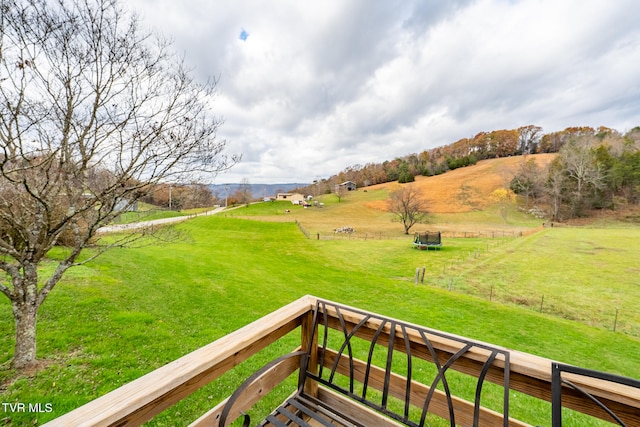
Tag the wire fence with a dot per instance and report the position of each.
(450, 276)
(612, 318)
(452, 273)
(348, 233)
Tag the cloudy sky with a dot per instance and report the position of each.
(310, 87)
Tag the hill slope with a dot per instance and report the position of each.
(458, 201)
(468, 188)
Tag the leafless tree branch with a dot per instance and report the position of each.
(93, 114)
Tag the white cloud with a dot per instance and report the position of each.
(317, 86)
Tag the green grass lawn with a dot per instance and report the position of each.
(133, 310)
(581, 274)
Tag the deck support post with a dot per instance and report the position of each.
(309, 340)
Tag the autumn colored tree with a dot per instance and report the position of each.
(554, 141)
(506, 142)
(460, 148)
(391, 169)
(504, 199)
(480, 145)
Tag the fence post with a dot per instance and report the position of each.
(424, 269)
(415, 280)
(615, 322)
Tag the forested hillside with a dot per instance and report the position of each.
(594, 168)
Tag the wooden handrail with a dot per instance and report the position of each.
(142, 399)
(529, 374)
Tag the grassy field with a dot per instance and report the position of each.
(366, 209)
(133, 310)
(363, 211)
(583, 274)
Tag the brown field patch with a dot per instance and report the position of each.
(379, 205)
(457, 201)
(465, 189)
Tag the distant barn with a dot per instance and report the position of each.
(347, 185)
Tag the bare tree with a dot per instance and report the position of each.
(408, 206)
(584, 173)
(554, 188)
(199, 196)
(529, 138)
(93, 114)
(528, 180)
(580, 163)
(244, 192)
(340, 192)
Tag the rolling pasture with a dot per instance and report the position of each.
(133, 310)
(554, 293)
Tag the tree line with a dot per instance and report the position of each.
(180, 196)
(596, 167)
(591, 171)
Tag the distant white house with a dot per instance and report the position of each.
(295, 198)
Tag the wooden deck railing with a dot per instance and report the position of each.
(142, 399)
